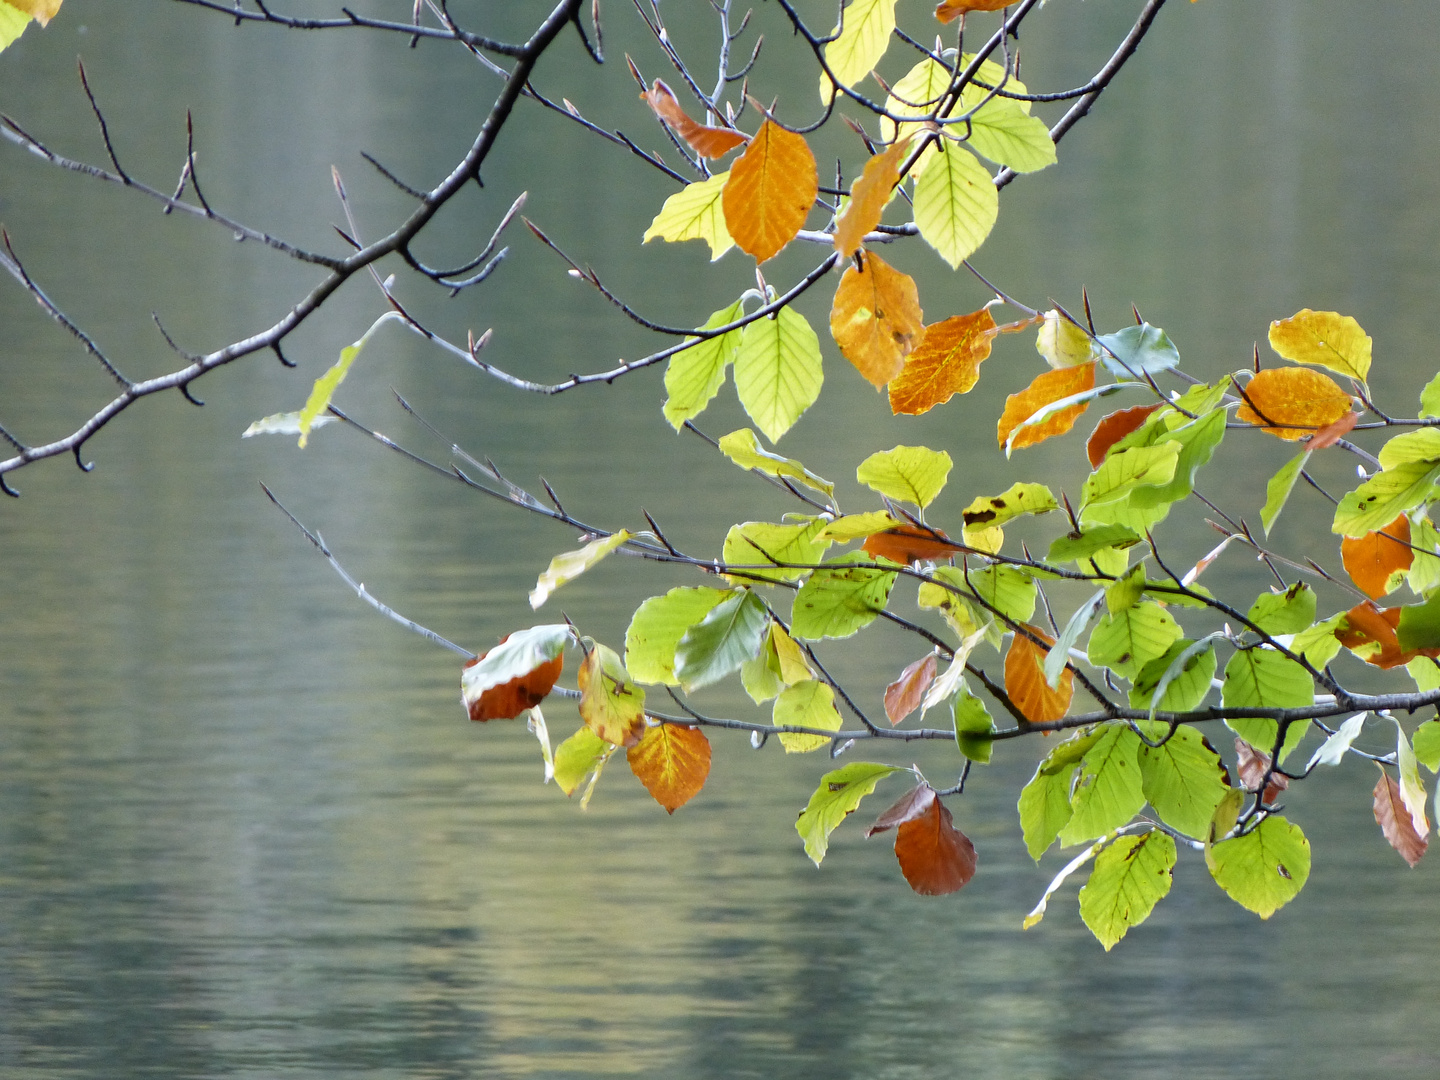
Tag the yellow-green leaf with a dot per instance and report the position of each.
(325, 386)
(695, 375)
(1006, 133)
(956, 203)
(658, 625)
(584, 753)
(611, 705)
(913, 474)
(778, 371)
(567, 567)
(865, 29)
(1264, 869)
(837, 796)
(1131, 876)
(1384, 497)
(760, 543)
(808, 704)
(695, 213)
(742, 448)
(1325, 339)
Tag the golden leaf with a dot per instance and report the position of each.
(1291, 403)
(876, 318)
(673, 762)
(770, 191)
(1048, 387)
(1376, 559)
(868, 197)
(946, 362)
(1025, 680)
(1324, 338)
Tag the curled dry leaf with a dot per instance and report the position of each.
(903, 696)
(1395, 822)
(1370, 633)
(1114, 428)
(1291, 403)
(708, 142)
(935, 857)
(908, 544)
(1025, 679)
(770, 191)
(517, 674)
(1048, 387)
(1253, 764)
(1377, 561)
(876, 318)
(945, 362)
(868, 197)
(673, 762)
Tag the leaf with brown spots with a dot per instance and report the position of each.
(770, 191)
(1114, 428)
(1291, 403)
(946, 361)
(1377, 561)
(1252, 766)
(1025, 679)
(708, 142)
(935, 857)
(1395, 821)
(673, 762)
(950, 10)
(869, 196)
(907, 544)
(1048, 388)
(611, 705)
(876, 318)
(903, 696)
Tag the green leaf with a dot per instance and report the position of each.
(837, 796)
(1420, 625)
(778, 371)
(581, 754)
(1427, 744)
(995, 510)
(865, 29)
(956, 203)
(1423, 444)
(1319, 644)
(1121, 474)
(1285, 612)
(695, 375)
(1424, 574)
(1426, 673)
(1108, 792)
(1430, 399)
(1136, 350)
(657, 627)
(806, 704)
(757, 543)
(1384, 497)
(913, 474)
(1178, 680)
(731, 633)
(742, 448)
(1262, 678)
(1131, 876)
(836, 603)
(325, 386)
(1007, 589)
(1005, 132)
(972, 722)
(1278, 488)
(1044, 809)
(1127, 591)
(694, 213)
(1149, 504)
(1264, 869)
(1125, 642)
(1183, 780)
(567, 567)
(1070, 548)
(1059, 654)
(12, 24)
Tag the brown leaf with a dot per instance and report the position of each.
(770, 191)
(1048, 387)
(1395, 821)
(876, 318)
(1025, 679)
(913, 804)
(1370, 560)
(1253, 765)
(946, 362)
(1114, 428)
(903, 696)
(1291, 403)
(708, 142)
(935, 857)
(950, 10)
(673, 762)
(510, 699)
(910, 544)
(1329, 436)
(868, 197)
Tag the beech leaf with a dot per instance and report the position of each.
(864, 33)
(325, 386)
(708, 142)
(770, 191)
(1264, 869)
(809, 704)
(729, 634)
(1112, 429)
(1332, 751)
(1291, 403)
(945, 362)
(936, 858)
(1324, 338)
(658, 625)
(673, 762)
(1047, 388)
(695, 212)
(611, 705)
(567, 567)
(1377, 561)
(914, 474)
(694, 375)
(908, 544)
(778, 371)
(903, 696)
(583, 754)
(869, 195)
(837, 797)
(1396, 822)
(956, 203)
(516, 674)
(744, 449)
(1025, 680)
(1130, 877)
(876, 318)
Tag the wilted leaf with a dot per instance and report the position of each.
(1264, 869)
(876, 318)
(1048, 387)
(770, 191)
(611, 705)
(516, 674)
(1377, 561)
(906, 544)
(935, 857)
(1333, 750)
(1324, 338)
(956, 203)
(1131, 876)
(1291, 403)
(1333, 433)
(869, 195)
(945, 362)
(949, 10)
(808, 704)
(695, 213)
(1252, 765)
(1395, 821)
(742, 448)
(1113, 428)
(672, 762)
(325, 386)
(903, 696)
(865, 29)
(708, 142)
(778, 371)
(837, 602)
(837, 796)
(658, 625)
(695, 375)
(913, 474)
(729, 634)
(567, 567)
(1025, 679)
(287, 423)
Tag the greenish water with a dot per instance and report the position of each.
(244, 827)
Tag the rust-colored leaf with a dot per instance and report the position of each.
(936, 858)
(910, 544)
(1369, 631)
(913, 804)
(946, 362)
(1048, 387)
(903, 696)
(673, 762)
(708, 142)
(1291, 403)
(876, 318)
(1114, 428)
(1372, 559)
(1395, 821)
(868, 197)
(770, 191)
(1025, 680)
(1329, 436)
(950, 10)
(510, 699)
(1253, 765)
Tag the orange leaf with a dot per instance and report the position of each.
(903, 696)
(907, 544)
(868, 197)
(950, 10)
(708, 142)
(1025, 680)
(935, 857)
(1048, 387)
(510, 699)
(770, 191)
(1372, 559)
(1291, 403)
(876, 318)
(1395, 822)
(1369, 632)
(1114, 428)
(672, 761)
(1253, 764)
(946, 362)
(1329, 436)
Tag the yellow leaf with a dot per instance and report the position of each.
(956, 203)
(876, 318)
(865, 29)
(611, 705)
(325, 386)
(1048, 387)
(694, 213)
(42, 11)
(567, 567)
(1296, 401)
(770, 190)
(1063, 344)
(945, 362)
(1325, 339)
(672, 762)
(868, 197)
(809, 704)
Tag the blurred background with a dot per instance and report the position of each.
(245, 828)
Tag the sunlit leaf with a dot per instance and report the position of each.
(1412, 787)
(956, 203)
(865, 29)
(907, 544)
(673, 762)
(583, 754)
(945, 362)
(1007, 589)
(1062, 343)
(708, 142)
(913, 474)
(1420, 445)
(808, 704)
(903, 696)
(770, 191)
(742, 448)
(287, 423)
(728, 635)
(837, 796)
(837, 602)
(1122, 473)
(1045, 801)
(1285, 612)
(1108, 792)
(1264, 869)
(1025, 680)
(1131, 876)
(1003, 130)
(1019, 499)
(1149, 503)
(1430, 399)
(1083, 545)
(695, 375)
(1324, 338)
(778, 371)
(1395, 821)
(1183, 779)
(570, 565)
(858, 526)
(876, 318)
(42, 11)
(15, 16)
(1126, 591)
(935, 857)
(611, 705)
(1136, 351)
(1261, 678)
(1333, 750)
(695, 213)
(1377, 561)
(656, 629)
(325, 386)
(1047, 387)
(1370, 633)
(758, 543)
(1384, 497)
(516, 674)
(869, 195)
(1291, 403)
(1112, 429)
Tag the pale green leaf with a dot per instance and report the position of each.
(1125, 642)
(906, 473)
(1122, 473)
(855, 526)
(972, 723)
(1412, 787)
(325, 386)
(1420, 625)
(1422, 444)
(1059, 654)
(1384, 497)
(956, 203)
(778, 371)
(656, 629)
(1003, 130)
(1262, 678)
(1278, 488)
(582, 754)
(1183, 780)
(570, 565)
(1148, 504)
(1332, 751)
(837, 796)
(1108, 792)
(694, 213)
(1091, 541)
(1131, 876)
(1264, 869)
(1126, 591)
(1007, 589)
(12, 24)
(1427, 744)
(286, 423)
(837, 602)
(742, 448)
(865, 29)
(1045, 801)
(1426, 673)
(1430, 399)
(1319, 644)
(694, 375)
(1133, 352)
(1423, 576)
(1285, 612)
(759, 543)
(808, 704)
(731, 633)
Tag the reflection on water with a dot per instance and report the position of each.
(244, 830)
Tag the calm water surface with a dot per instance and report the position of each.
(244, 827)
